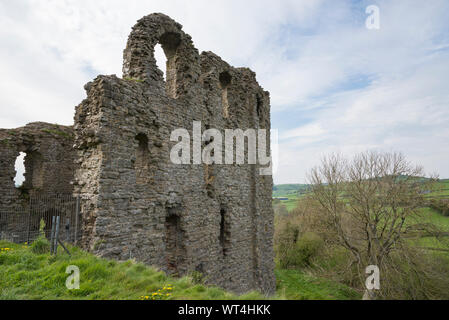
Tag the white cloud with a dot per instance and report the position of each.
(50, 49)
(347, 88)
(408, 114)
(310, 130)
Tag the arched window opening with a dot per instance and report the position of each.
(165, 51)
(161, 60)
(19, 165)
(142, 159)
(225, 81)
(29, 171)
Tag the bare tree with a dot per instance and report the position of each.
(369, 202)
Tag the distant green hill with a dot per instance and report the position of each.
(293, 191)
(284, 190)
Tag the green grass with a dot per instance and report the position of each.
(25, 275)
(294, 191)
(285, 190)
(429, 215)
(291, 203)
(432, 216)
(133, 79)
(291, 191)
(433, 242)
(295, 285)
(441, 189)
(28, 276)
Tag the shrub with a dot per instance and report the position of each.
(308, 247)
(197, 277)
(417, 275)
(296, 250)
(40, 246)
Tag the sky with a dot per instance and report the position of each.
(335, 85)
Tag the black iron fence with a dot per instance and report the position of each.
(23, 223)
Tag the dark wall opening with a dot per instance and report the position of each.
(224, 232)
(225, 80)
(174, 237)
(34, 173)
(259, 107)
(19, 166)
(142, 159)
(29, 171)
(170, 42)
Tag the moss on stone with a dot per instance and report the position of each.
(133, 79)
(58, 133)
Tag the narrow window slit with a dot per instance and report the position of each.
(225, 81)
(174, 237)
(259, 107)
(224, 232)
(142, 159)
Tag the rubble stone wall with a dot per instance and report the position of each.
(214, 219)
(49, 161)
(49, 170)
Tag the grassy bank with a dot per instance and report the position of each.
(297, 285)
(25, 275)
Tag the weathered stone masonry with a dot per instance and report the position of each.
(49, 161)
(214, 219)
(49, 168)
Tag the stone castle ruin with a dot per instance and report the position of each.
(135, 202)
(47, 189)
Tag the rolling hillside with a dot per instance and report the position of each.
(295, 191)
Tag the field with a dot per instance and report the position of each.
(442, 189)
(283, 190)
(290, 204)
(290, 191)
(422, 274)
(295, 191)
(428, 215)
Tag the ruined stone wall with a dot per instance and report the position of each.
(49, 170)
(136, 203)
(49, 161)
